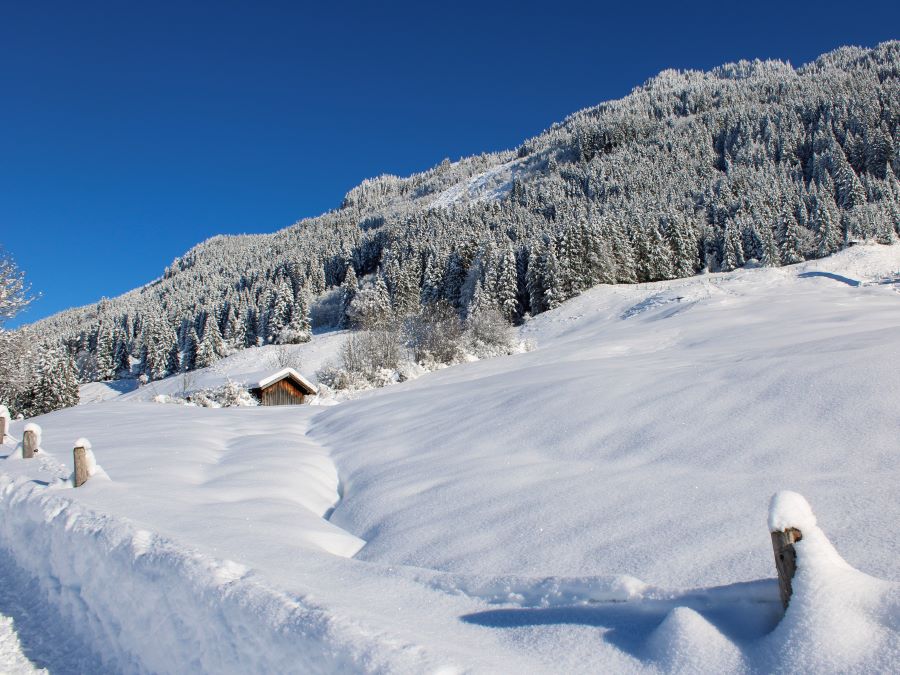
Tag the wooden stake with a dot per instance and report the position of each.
(4, 429)
(29, 444)
(786, 560)
(81, 467)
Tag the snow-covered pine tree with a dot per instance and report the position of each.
(349, 288)
(734, 251)
(298, 329)
(828, 234)
(506, 285)
(105, 352)
(189, 352)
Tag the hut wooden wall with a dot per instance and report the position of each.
(283, 392)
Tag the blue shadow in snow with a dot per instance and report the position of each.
(742, 612)
(829, 275)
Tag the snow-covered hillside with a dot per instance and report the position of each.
(596, 505)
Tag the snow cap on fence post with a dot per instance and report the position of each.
(31, 440)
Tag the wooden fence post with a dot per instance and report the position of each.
(81, 465)
(785, 560)
(4, 428)
(29, 444)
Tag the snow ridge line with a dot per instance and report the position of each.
(143, 604)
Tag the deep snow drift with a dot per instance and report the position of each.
(598, 504)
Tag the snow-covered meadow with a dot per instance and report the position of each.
(598, 504)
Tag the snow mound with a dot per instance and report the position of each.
(839, 619)
(685, 642)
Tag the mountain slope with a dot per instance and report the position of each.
(750, 161)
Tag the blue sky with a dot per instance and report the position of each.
(131, 131)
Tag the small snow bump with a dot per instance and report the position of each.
(790, 510)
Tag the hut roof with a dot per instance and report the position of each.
(287, 373)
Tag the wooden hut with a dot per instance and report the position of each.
(286, 387)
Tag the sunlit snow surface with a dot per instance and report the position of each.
(596, 505)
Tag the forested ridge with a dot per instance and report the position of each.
(752, 161)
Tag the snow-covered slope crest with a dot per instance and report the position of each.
(126, 591)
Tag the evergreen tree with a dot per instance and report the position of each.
(828, 235)
(105, 351)
(189, 353)
(734, 252)
(349, 288)
(506, 286)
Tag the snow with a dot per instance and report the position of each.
(246, 367)
(12, 659)
(597, 504)
(490, 185)
(839, 619)
(790, 510)
(4, 412)
(283, 373)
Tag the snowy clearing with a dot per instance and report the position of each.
(490, 185)
(541, 512)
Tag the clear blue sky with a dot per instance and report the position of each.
(131, 131)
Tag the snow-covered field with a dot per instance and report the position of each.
(597, 505)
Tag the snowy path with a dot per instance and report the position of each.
(30, 638)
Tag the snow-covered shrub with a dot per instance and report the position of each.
(229, 395)
(369, 358)
(489, 334)
(284, 356)
(335, 377)
(435, 334)
(370, 351)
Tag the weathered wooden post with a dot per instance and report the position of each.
(30, 443)
(82, 466)
(786, 560)
(4, 423)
